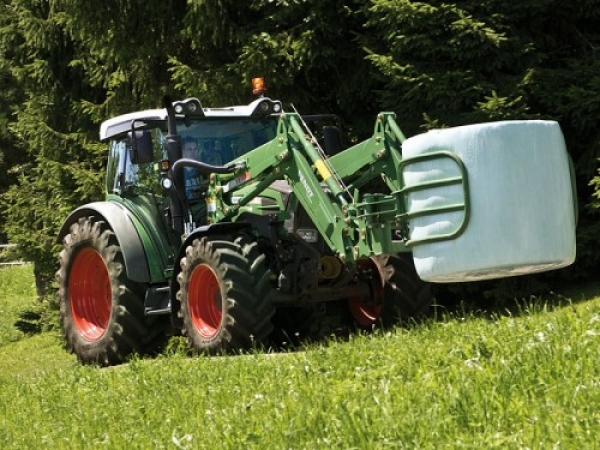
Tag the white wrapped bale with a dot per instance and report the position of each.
(522, 217)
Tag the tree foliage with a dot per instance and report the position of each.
(65, 66)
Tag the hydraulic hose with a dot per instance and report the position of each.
(205, 169)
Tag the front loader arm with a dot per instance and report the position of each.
(377, 156)
(345, 217)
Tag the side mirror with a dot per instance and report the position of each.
(141, 150)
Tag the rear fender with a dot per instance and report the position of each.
(120, 222)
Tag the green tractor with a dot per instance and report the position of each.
(216, 219)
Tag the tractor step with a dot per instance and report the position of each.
(157, 311)
(157, 301)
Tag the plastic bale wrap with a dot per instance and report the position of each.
(522, 217)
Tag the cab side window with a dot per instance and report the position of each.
(123, 176)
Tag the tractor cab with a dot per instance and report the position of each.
(214, 136)
(164, 157)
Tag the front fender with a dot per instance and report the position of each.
(122, 225)
(225, 228)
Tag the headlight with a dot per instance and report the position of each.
(266, 107)
(189, 106)
(193, 107)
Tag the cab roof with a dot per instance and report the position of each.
(122, 124)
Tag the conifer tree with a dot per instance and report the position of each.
(66, 65)
(61, 166)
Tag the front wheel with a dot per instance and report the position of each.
(224, 295)
(101, 311)
(398, 293)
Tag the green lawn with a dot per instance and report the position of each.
(530, 380)
(17, 295)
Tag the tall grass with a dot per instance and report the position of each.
(23, 349)
(17, 298)
(526, 381)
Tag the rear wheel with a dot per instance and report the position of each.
(224, 295)
(397, 291)
(101, 311)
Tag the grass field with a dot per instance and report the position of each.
(527, 380)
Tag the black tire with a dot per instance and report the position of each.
(101, 311)
(403, 295)
(225, 295)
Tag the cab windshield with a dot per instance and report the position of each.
(221, 140)
(215, 141)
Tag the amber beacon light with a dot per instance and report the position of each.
(258, 86)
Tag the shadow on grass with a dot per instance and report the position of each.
(29, 323)
(582, 293)
(297, 328)
(516, 296)
(511, 296)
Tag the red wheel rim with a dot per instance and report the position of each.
(90, 294)
(366, 312)
(204, 301)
